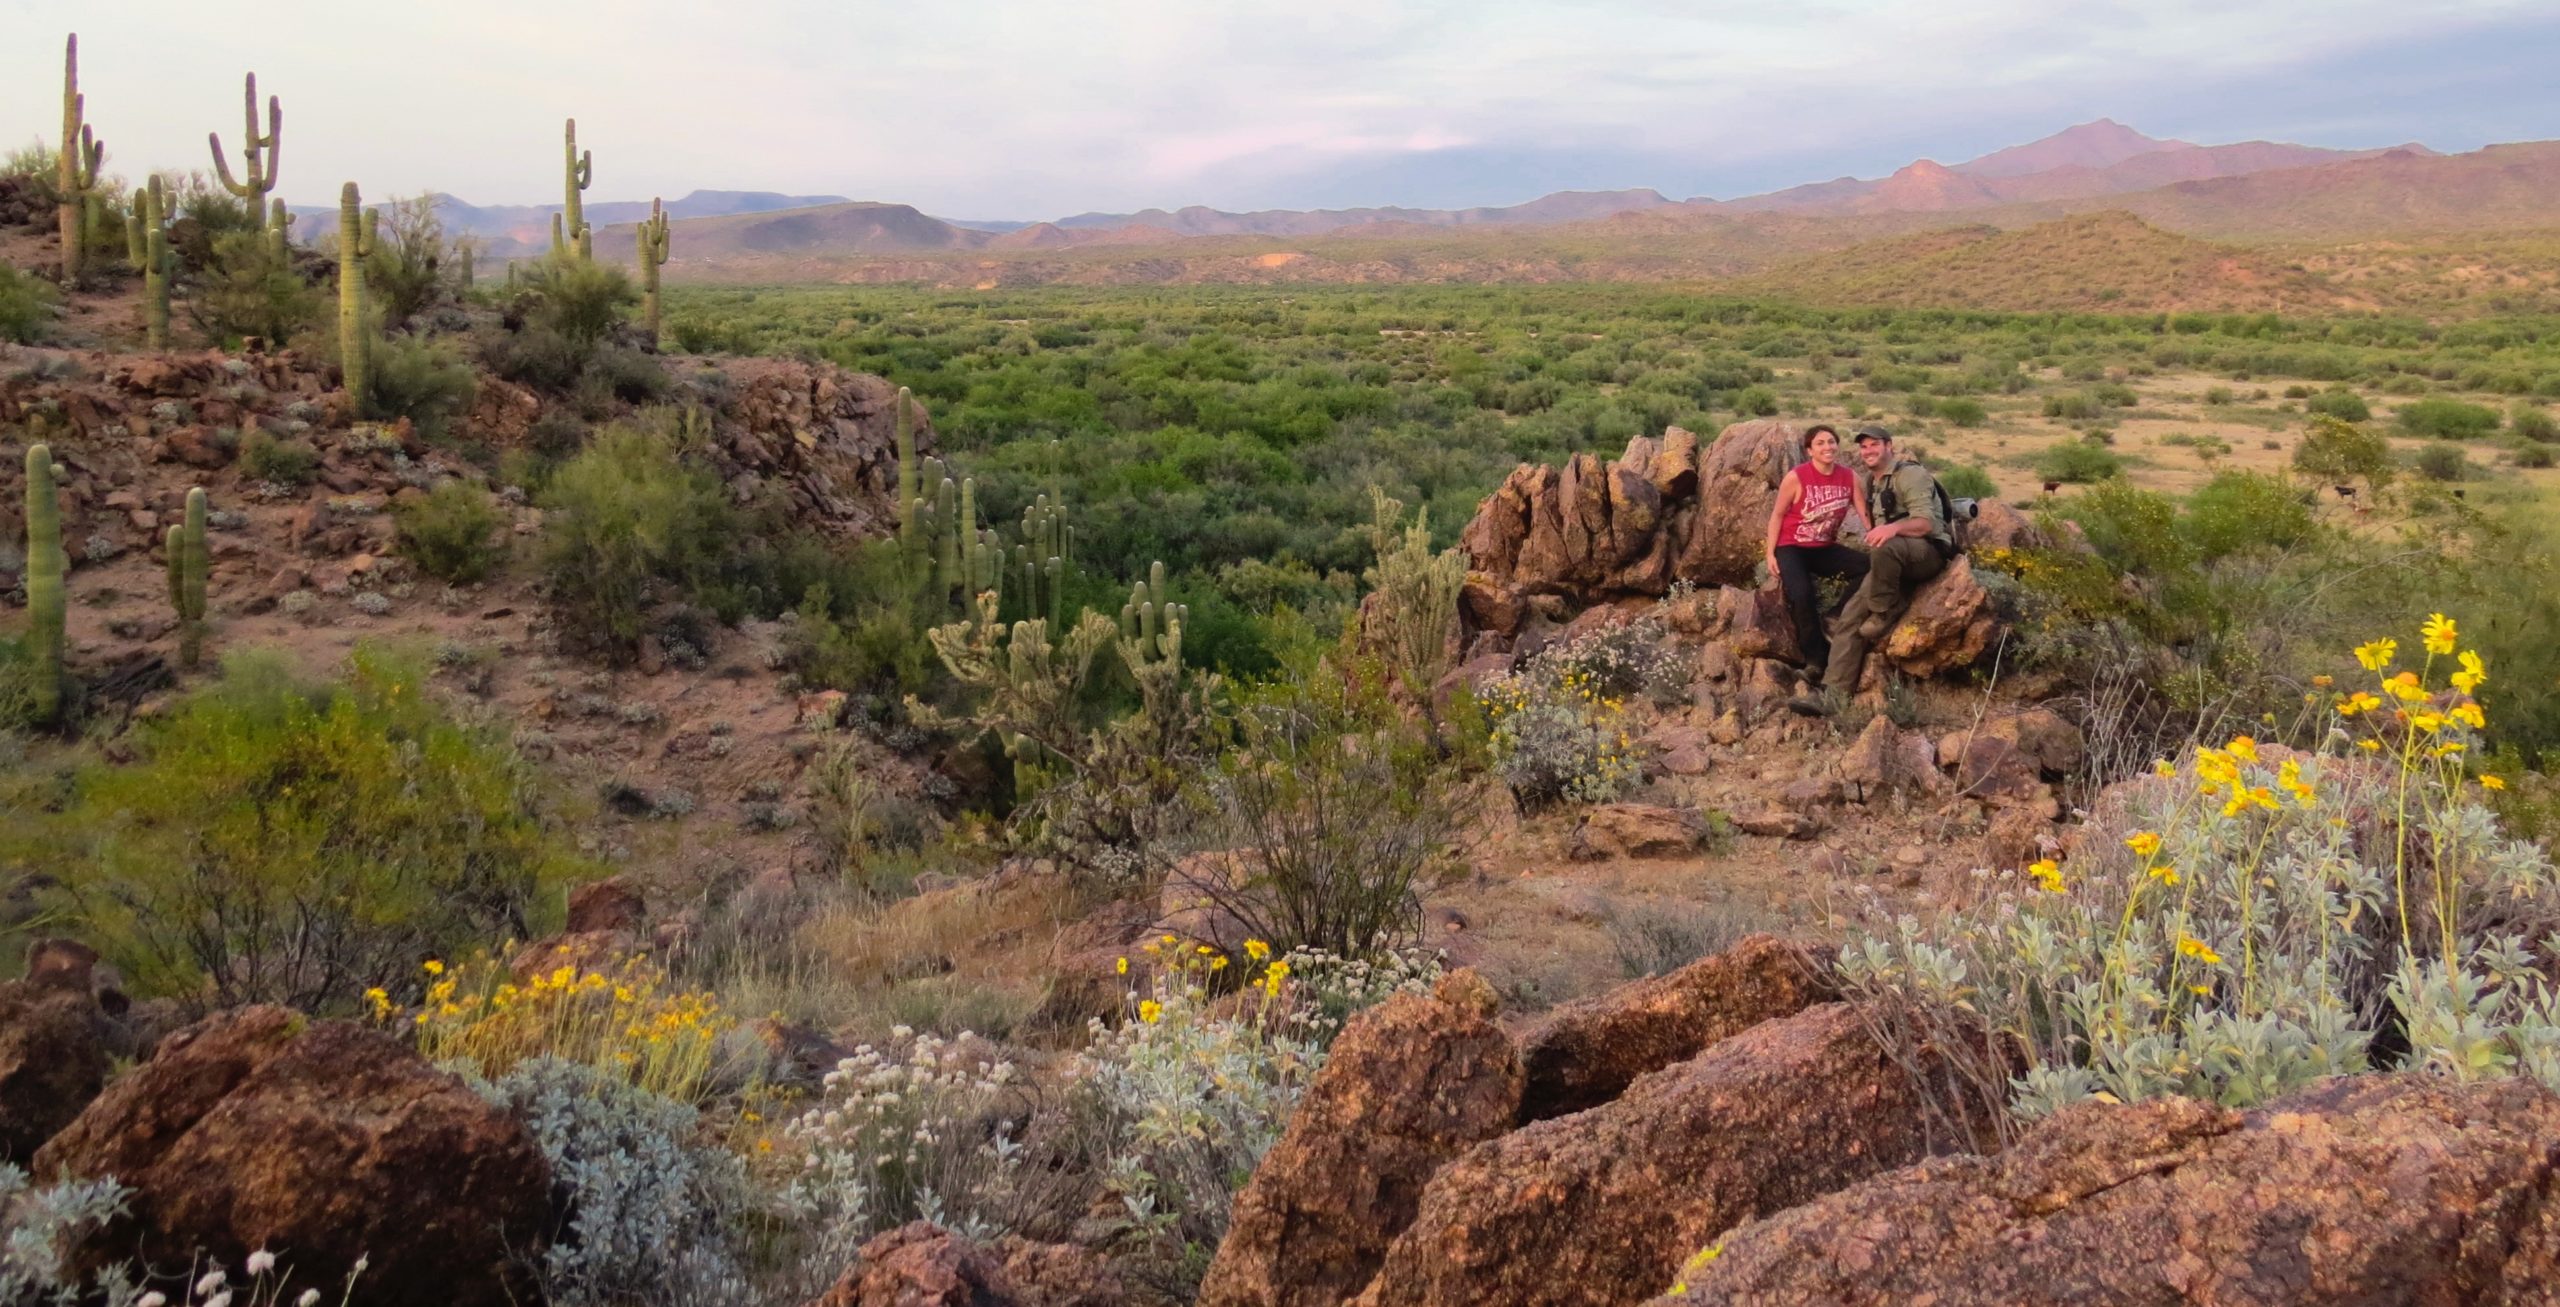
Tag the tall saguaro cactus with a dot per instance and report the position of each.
(76, 172)
(356, 228)
(257, 159)
(653, 256)
(907, 503)
(581, 173)
(279, 233)
(187, 563)
(46, 564)
(146, 240)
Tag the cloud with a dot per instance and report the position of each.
(990, 108)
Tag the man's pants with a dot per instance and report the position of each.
(1799, 567)
(1893, 572)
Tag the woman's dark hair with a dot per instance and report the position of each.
(1818, 428)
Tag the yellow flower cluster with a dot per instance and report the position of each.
(2047, 875)
(1188, 971)
(2422, 712)
(625, 1019)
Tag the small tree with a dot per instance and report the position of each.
(2340, 452)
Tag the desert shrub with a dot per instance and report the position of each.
(2535, 456)
(1336, 803)
(427, 381)
(2447, 419)
(1963, 412)
(448, 532)
(2242, 510)
(654, 1214)
(2338, 451)
(2078, 462)
(582, 300)
(2535, 423)
(2220, 396)
(626, 1020)
(245, 290)
(287, 462)
(1755, 402)
(2136, 530)
(1655, 941)
(2344, 405)
(1556, 738)
(39, 1225)
(1418, 594)
(278, 841)
(2441, 461)
(412, 266)
(2262, 919)
(632, 522)
(26, 307)
(2115, 396)
(1966, 481)
(2071, 408)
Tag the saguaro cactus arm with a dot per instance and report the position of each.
(258, 154)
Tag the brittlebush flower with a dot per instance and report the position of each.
(2472, 675)
(2165, 874)
(2047, 875)
(2144, 843)
(1256, 949)
(2190, 946)
(434, 968)
(2492, 783)
(1149, 1010)
(2244, 748)
(2370, 746)
(2377, 654)
(2406, 689)
(1122, 966)
(2438, 634)
(2358, 702)
(2469, 714)
(2323, 681)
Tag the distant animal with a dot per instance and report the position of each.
(2459, 493)
(2052, 486)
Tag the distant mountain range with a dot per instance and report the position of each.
(507, 230)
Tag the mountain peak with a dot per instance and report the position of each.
(2098, 143)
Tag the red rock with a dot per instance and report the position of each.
(1737, 482)
(1408, 1086)
(920, 1264)
(1638, 830)
(320, 1140)
(2372, 1189)
(1586, 1053)
(1949, 625)
(56, 1045)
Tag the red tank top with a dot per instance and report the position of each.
(1814, 519)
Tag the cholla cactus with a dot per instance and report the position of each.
(76, 171)
(46, 564)
(187, 563)
(579, 175)
(258, 155)
(146, 238)
(357, 226)
(653, 256)
(1151, 624)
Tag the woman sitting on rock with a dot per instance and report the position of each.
(1804, 541)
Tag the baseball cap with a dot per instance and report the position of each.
(1871, 432)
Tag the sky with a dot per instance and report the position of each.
(999, 109)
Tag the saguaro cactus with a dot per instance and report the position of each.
(356, 228)
(46, 564)
(257, 158)
(279, 233)
(581, 173)
(906, 467)
(653, 256)
(187, 563)
(146, 239)
(76, 172)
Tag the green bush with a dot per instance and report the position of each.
(427, 381)
(2534, 456)
(583, 301)
(280, 841)
(412, 266)
(2217, 396)
(2078, 462)
(2070, 408)
(2339, 452)
(2535, 423)
(2344, 405)
(2134, 529)
(2447, 419)
(1966, 481)
(2442, 462)
(447, 532)
(1963, 412)
(246, 291)
(263, 457)
(2237, 511)
(2115, 396)
(635, 520)
(1756, 402)
(26, 306)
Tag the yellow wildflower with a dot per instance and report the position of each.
(1256, 949)
(2047, 875)
(2377, 654)
(1218, 963)
(2406, 689)
(2472, 674)
(2323, 681)
(2438, 633)
(2370, 746)
(2426, 721)
(2358, 702)
(2244, 748)
(2190, 946)
(1149, 1010)
(2164, 768)
(2469, 714)
(2165, 874)
(1124, 966)
(434, 968)
(2492, 783)
(2145, 843)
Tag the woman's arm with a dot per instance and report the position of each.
(1789, 490)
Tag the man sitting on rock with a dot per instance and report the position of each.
(1908, 544)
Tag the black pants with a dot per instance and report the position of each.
(1799, 566)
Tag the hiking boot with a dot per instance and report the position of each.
(1814, 704)
(1874, 628)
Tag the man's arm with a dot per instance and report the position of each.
(1911, 485)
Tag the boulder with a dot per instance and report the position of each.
(1737, 482)
(1586, 1053)
(607, 921)
(920, 1264)
(1885, 758)
(1998, 526)
(1638, 830)
(56, 1045)
(1603, 1206)
(1408, 1086)
(1949, 625)
(323, 1142)
(1757, 623)
(1488, 604)
(1775, 820)
(2376, 1189)
(2015, 835)
(815, 437)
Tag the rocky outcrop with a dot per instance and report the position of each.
(606, 927)
(1408, 1086)
(1638, 830)
(1603, 1206)
(2368, 1189)
(324, 1142)
(1591, 532)
(920, 1264)
(825, 438)
(1586, 1053)
(56, 1044)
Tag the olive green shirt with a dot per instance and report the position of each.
(1908, 490)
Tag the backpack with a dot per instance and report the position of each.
(1958, 514)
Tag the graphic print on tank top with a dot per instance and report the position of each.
(1814, 520)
